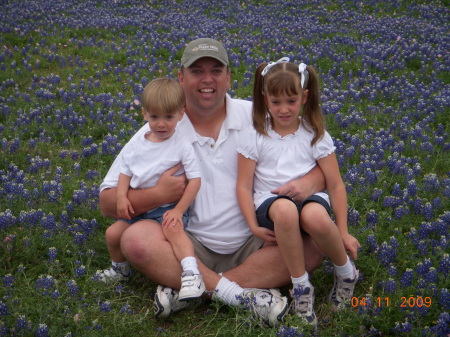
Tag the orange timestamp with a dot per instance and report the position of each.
(405, 302)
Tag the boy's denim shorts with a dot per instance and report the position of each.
(157, 215)
(262, 213)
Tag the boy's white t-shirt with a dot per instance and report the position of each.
(144, 161)
(215, 217)
(280, 160)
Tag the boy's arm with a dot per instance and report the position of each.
(189, 194)
(169, 189)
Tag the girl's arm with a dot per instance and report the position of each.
(244, 191)
(338, 196)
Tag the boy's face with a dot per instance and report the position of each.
(162, 124)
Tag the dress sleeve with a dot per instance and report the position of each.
(324, 147)
(247, 144)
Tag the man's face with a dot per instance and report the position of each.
(205, 84)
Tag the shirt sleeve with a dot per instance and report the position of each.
(247, 144)
(324, 147)
(189, 161)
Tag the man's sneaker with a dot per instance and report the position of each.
(110, 275)
(192, 286)
(342, 292)
(303, 304)
(167, 302)
(268, 305)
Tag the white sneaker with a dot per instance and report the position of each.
(110, 275)
(268, 305)
(342, 292)
(192, 286)
(303, 304)
(167, 302)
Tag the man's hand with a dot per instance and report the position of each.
(171, 187)
(302, 188)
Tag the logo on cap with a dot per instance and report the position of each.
(205, 47)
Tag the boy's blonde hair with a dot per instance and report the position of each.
(163, 95)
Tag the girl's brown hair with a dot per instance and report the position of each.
(284, 78)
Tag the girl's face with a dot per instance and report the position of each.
(284, 110)
(162, 124)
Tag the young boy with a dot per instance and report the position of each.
(144, 160)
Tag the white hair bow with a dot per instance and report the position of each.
(271, 64)
(301, 69)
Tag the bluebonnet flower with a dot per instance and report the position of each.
(376, 194)
(387, 254)
(389, 286)
(431, 182)
(372, 243)
(392, 270)
(402, 328)
(80, 271)
(45, 285)
(401, 211)
(372, 218)
(428, 212)
(407, 278)
(22, 325)
(73, 287)
(441, 328)
(432, 276)
(105, 306)
(3, 309)
(423, 267)
(42, 330)
(444, 265)
(285, 331)
(444, 298)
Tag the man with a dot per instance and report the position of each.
(222, 240)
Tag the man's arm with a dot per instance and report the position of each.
(302, 188)
(169, 189)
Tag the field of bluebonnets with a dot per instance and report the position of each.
(71, 75)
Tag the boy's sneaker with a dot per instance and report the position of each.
(342, 292)
(167, 302)
(268, 305)
(192, 286)
(303, 304)
(110, 275)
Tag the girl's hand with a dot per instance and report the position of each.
(265, 234)
(352, 245)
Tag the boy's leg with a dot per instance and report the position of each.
(120, 269)
(113, 235)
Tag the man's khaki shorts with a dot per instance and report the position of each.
(223, 262)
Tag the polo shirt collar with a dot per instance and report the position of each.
(232, 121)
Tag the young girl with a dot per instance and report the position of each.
(143, 161)
(287, 141)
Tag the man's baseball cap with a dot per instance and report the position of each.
(203, 47)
